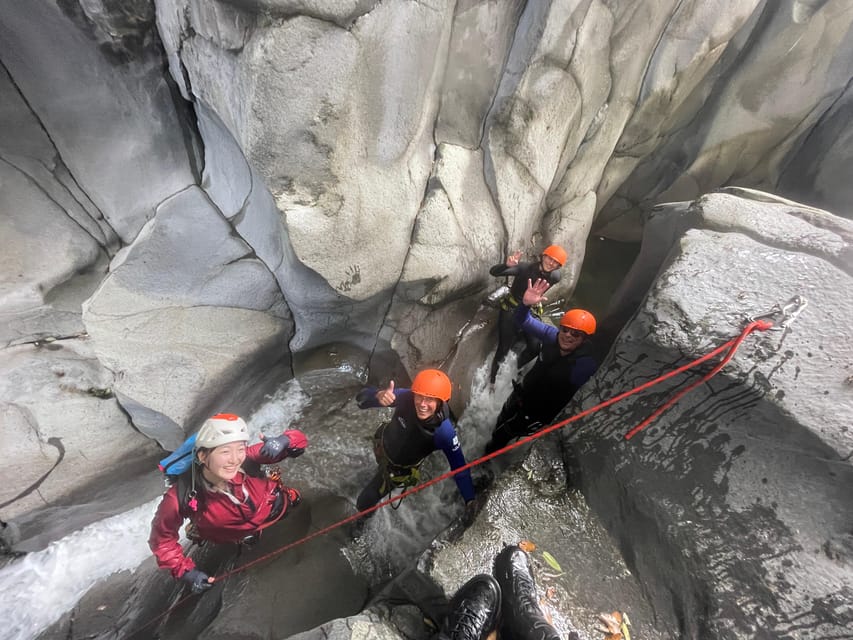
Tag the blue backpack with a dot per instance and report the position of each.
(179, 461)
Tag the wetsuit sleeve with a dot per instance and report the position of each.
(164, 539)
(253, 453)
(503, 270)
(582, 371)
(366, 398)
(447, 440)
(533, 326)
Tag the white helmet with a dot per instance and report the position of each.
(221, 429)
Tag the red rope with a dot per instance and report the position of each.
(732, 346)
(761, 325)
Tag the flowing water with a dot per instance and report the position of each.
(38, 589)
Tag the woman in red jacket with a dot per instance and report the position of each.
(224, 504)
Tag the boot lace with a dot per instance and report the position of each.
(467, 623)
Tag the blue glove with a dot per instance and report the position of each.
(274, 446)
(293, 441)
(198, 580)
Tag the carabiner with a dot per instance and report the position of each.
(781, 315)
(792, 309)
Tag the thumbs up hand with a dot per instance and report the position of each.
(386, 397)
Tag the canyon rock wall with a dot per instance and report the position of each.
(194, 189)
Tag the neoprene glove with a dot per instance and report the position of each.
(198, 580)
(293, 441)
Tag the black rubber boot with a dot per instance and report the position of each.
(521, 616)
(474, 610)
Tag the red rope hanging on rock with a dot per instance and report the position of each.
(732, 345)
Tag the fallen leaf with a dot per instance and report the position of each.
(552, 561)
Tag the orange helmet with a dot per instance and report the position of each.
(432, 383)
(557, 253)
(579, 319)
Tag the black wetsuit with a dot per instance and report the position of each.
(405, 441)
(508, 332)
(548, 386)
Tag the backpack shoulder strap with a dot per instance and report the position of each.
(184, 486)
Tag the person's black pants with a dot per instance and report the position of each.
(373, 492)
(508, 335)
(512, 423)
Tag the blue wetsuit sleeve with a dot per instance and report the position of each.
(534, 327)
(446, 439)
(366, 398)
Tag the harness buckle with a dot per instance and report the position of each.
(782, 315)
(250, 540)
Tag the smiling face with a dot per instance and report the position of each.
(425, 406)
(569, 339)
(222, 463)
(549, 264)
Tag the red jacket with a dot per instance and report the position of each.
(220, 521)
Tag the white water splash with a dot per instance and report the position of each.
(484, 404)
(280, 411)
(37, 589)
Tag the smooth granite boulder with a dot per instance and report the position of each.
(49, 451)
(187, 312)
(733, 507)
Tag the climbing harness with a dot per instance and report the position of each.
(394, 476)
(509, 303)
(778, 317)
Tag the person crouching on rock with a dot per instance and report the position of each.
(223, 503)
(564, 364)
(421, 424)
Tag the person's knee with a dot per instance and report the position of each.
(500, 438)
(366, 499)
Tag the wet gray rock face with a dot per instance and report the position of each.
(192, 190)
(733, 507)
(529, 502)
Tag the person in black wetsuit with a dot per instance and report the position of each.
(546, 268)
(421, 424)
(565, 363)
